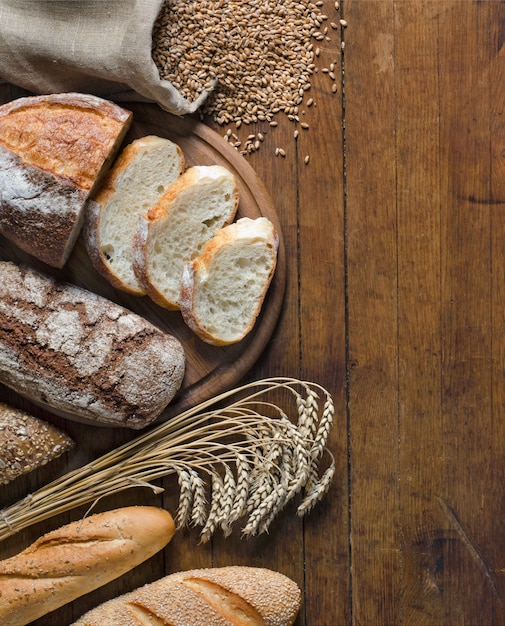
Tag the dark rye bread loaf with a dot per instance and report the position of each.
(54, 149)
(82, 355)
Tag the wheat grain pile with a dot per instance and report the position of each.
(257, 56)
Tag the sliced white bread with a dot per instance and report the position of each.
(141, 174)
(199, 203)
(223, 289)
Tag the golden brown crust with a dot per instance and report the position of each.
(242, 596)
(78, 558)
(68, 135)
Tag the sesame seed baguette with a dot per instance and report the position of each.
(187, 215)
(75, 559)
(235, 595)
(223, 289)
(81, 355)
(141, 173)
(27, 442)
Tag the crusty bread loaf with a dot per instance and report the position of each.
(77, 558)
(27, 442)
(235, 595)
(53, 150)
(141, 173)
(82, 355)
(187, 215)
(223, 289)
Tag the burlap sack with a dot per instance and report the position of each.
(91, 46)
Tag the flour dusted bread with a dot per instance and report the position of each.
(223, 289)
(235, 595)
(187, 215)
(27, 442)
(140, 175)
(77, 558)
(82, 355)
(53, 150)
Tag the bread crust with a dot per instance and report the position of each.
(54, 149)
(81, 354)
(77, 558)
(242, 596)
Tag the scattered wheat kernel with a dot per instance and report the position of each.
(295, 134)
(333, 25)
(342, 45)
(331, 75)
(277, 151)
(337, 6)
(343, 23)
(272, 123)
(325, 70)
(318, 52)
(304, 125)
(334, 88)
(306, 159)
(282, 152)
(310, 102)
(332, 67)
(261, 136)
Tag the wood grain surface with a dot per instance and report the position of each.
(395, 295)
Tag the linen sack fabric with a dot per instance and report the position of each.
(102, 47)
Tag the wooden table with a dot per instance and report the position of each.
(394, 302)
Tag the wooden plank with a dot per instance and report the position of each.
(322, 318)
(372, 310)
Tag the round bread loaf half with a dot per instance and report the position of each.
(54, 149)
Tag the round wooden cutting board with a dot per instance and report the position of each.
(209, 370)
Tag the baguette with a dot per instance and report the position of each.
(187, 215)
(53, 151)
(223, 289)
(142, 172)
(27, 442)
(77, 558)
(81, 355)
(235, 595)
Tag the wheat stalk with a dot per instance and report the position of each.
(249, 456)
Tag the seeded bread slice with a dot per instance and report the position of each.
(187, 215)
(223, 289)
(143, 171)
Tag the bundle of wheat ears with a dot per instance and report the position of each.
(237, 456)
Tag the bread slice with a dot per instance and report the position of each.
(27, 443)
(233, 595)
(223, 289)
(53, 151)
(141, 174)
(187, 215)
